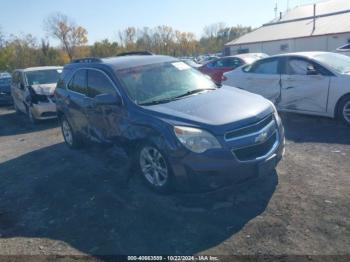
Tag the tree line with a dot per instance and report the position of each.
(21, 51)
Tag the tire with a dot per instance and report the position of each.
(71, 139)
(31, 117)
(18, 112)
(154, 168)
(344, 110)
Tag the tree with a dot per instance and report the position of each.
(71, 36)
(105, 48)
(127, 38)
(212, 31)
(2, 38)
(215, 36)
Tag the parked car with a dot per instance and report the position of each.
(216, 68)
(182, 130)
(314, 83)
(191, 62)
(5, 89)
(205, 59)
(32, 91)
(344, 50)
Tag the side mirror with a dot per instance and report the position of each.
(108, 99)
(311, 71)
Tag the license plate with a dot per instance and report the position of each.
(267, 167)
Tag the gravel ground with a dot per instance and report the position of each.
(55, 201)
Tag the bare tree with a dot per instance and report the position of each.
(127, 38)
(212, 31)
(66, 31)
(2, 38)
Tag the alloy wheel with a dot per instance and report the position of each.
(153, 166)
(67, 132)
(346, 112)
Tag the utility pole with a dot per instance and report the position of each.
(276, 9)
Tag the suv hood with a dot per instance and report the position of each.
(44, 89)
(224, 108)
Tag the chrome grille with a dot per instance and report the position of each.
(253, 128)
(254, 141)
(256, 151)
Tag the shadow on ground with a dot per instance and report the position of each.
(17, 124)
(88, 200)
(303, 128)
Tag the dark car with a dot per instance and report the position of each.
(216, 68)
(181, 130)
(5, 89)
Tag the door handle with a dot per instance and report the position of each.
(289, 87)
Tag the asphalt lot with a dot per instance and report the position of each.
(57, 201)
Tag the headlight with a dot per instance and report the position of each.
(277, 117)
(195, 139)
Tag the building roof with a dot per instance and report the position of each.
(332, 17)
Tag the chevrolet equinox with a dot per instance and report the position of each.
(185, 132)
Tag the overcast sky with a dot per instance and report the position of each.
(104, 18)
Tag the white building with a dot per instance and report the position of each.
(324, 26)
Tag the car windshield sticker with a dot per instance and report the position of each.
(181, 66)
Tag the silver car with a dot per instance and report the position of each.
(32, 91)
(313, 83)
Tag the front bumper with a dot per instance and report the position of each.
(44, 110)
(215, 169)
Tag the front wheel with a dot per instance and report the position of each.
(31, 116)
(344, 110)
(72, 140)
(154, 168)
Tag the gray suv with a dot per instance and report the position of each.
(179, 127)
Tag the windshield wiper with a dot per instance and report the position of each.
(167, 100)
(194, 92)
(157, 102)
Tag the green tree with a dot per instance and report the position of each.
(105, 48)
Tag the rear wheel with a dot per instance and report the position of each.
(72, 140)
(344, 110)
(154, 168)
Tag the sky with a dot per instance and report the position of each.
(104, 18)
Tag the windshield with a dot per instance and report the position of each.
(43, 76)
(165, 81)
(338, 62)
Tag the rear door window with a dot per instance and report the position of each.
(78, 83)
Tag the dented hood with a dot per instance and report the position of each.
(44, 89)
(225, 107)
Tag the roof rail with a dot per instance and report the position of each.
(135, 53)
(87, 60)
